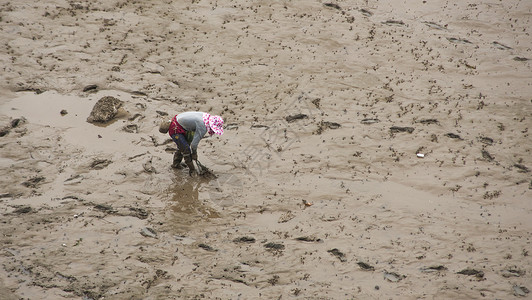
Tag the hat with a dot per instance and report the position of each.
(164, 126)
(214, 124)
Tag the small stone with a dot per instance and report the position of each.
(63, 112)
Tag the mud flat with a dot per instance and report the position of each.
(371, 150)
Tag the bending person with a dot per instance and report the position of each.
(186, 130)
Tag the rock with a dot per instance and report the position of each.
(517, 58)
(63, 112)
(104, 110)
(295, 117)
(338, 254)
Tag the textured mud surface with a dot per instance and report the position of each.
(372, 150)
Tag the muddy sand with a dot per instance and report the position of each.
(372, 150)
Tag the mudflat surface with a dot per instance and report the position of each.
(372, 150)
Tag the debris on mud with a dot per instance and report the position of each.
(512, 273)
(289, 215)
(91, 88)
(131, 128)
(148, 232)
(522, 168)
(326, 125)
(429, 121)
(244, 239)
(520, 291)
(453, 136)
(365, 266)
(393, 277)
(431, 269)
(207, 247)
(340, 255)
(33, 182)
(333, 5)
(369, 121)
(295, 117)
(23, 210)
(99, 164)
(274, 246)
(397, 129)
(472, 272)
(104, 110)
(308, 239)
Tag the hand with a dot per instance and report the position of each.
(194, 156)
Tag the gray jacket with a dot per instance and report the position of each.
(193, 121)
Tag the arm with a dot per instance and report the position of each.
(198, 135)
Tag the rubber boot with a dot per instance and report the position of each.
(189, 163)
(178, 157)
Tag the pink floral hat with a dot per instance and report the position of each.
(214, 124)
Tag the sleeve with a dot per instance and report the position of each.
(200, 132)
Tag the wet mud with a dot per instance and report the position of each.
(372, 150)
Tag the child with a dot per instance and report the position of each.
(186, 130)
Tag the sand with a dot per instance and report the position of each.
(372, 150)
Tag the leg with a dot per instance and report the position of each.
(184, 150)
(178, 157)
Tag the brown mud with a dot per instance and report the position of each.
(372, 150)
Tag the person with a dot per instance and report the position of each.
(186, 130)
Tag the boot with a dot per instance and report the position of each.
(189, 163)
(178, 157)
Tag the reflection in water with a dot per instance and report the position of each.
(186, 203)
